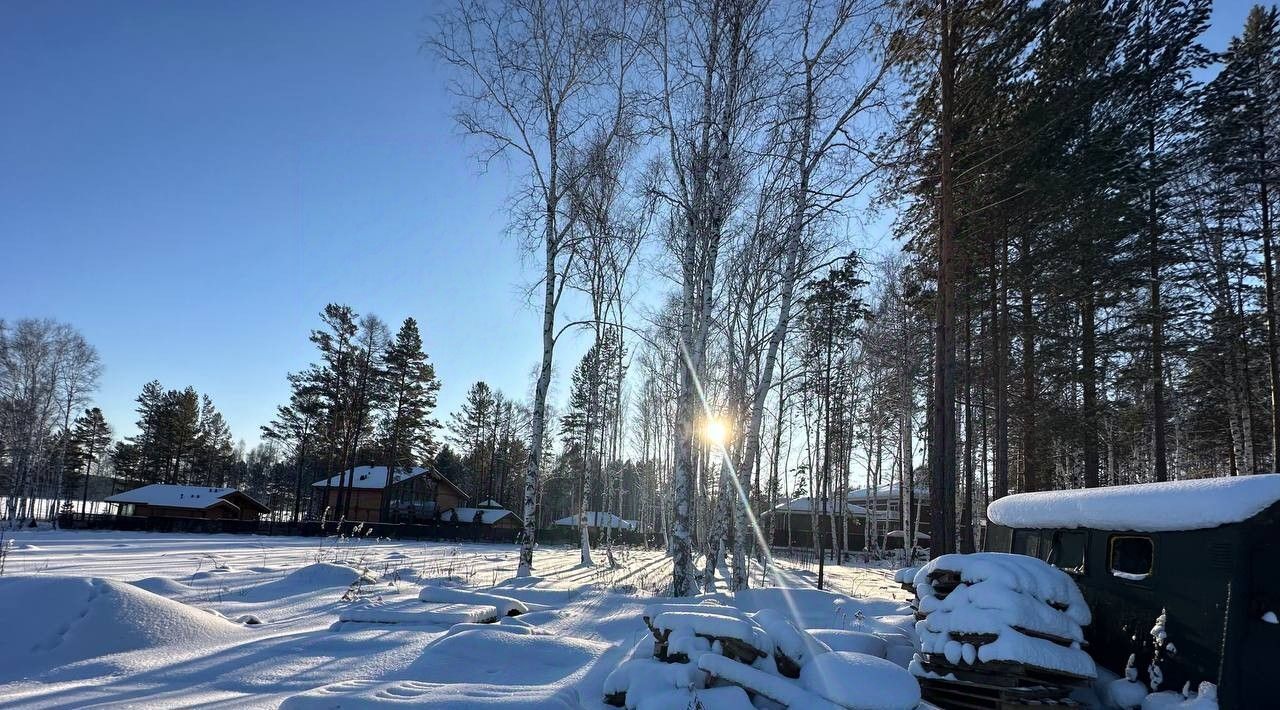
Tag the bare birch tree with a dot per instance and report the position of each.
(526, 75)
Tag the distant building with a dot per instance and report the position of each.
(162, 500)
(415, 495)
(885, 504)
(600, 520)
(500, 520)
(793, 522)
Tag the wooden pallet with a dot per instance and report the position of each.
(963, 695)
(1002, 673)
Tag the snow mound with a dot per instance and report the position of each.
(505, 606)
(640, 678)
(535, 590)
(501, 628)
(53, 621)
(906, 575)
(855, 641)
(164, 586)
(1146, 507)
(328, 574)
(496, 655)
(1124, 693)
(1205, 698)
(313, 577)
(412, 611)
(411, 695)
(856, 680)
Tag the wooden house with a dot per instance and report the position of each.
(792, 523)
(414, 495)
(162, 500)
(885, 504)
(1197, 561)
(497, 522)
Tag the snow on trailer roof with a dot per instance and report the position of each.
(1195, 504)
(174, 496)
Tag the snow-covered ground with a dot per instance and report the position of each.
(110, 619)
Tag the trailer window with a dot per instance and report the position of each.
(1067, 552)
(1028, 542)
(1132, 557)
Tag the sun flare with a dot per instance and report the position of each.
(716, 431)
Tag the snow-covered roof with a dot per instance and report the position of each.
(1145, 507)
(600, 520)
(488, 503)
(895, 534)
(882, 492)
(173, 496)
(376, 477)
(805, 505)
(488, 516)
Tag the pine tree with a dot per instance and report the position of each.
(832, 309)
(1162, 53)
(1242, 137)
(92, 436)
(297, 425)
(469, 428)
(410, 396)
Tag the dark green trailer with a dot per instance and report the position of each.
(1201, 552)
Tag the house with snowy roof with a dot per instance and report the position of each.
(163, 500)
(792, 521)
(413, 495)
(489, 518)
(1184, 575)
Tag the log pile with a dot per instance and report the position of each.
(999, 632)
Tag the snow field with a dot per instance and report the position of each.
(150, 622)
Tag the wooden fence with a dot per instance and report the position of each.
(437, 530)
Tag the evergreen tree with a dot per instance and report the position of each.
(91, 437)
(410, 396)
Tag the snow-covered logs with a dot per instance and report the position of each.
(698, 650)
(999, 620)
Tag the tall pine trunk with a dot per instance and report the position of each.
(942, 441)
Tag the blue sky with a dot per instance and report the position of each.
(188, 183)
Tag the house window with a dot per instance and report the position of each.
(1067, 551)
(1132, 557)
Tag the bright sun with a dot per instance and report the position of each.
(715, 431)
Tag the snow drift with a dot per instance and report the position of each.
(52, 621)
(321, 575)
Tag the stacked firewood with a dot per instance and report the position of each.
(999, 631)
